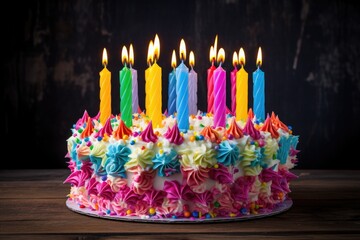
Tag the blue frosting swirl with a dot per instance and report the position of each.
(166, 163)
(74, 156)
(96, 165)
(227, 153)
(117, 156)
(259, 158)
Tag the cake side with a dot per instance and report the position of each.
(204, 172)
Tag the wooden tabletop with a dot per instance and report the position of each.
(326, 205)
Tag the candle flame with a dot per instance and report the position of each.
(235, 59)
(192, 59)
(104, 58)
(150, 55)
(156, 47)
(215, 45)
(182, 50)
(212, 54)
(124, 55)
(221, 55)
(131, 55)
(242, 57)
(259, 58)
(173, 59)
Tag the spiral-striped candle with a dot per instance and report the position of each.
(172, 93)
(220, 97)
(233, 90)
(125, 96)
(135, 96)
(192, 92)
(155, 99)
(105, 91)
(258, 94)
(182, 93)
(210, 88)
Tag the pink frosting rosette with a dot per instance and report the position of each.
(106, 129)
(148, 134)
(241, 187)
(203, 201)
(143, 180)
(176, 191)
(104, 191)
(221, 174)
(86, 168)
(195, 177)
(249, 129)
(154, 198)
(173, 135)
(91, 187)
(116, 183)
(76, 178)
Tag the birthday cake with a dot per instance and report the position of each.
(144, 172)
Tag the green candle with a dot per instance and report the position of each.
(125, 90)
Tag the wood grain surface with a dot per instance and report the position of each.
(326, 206)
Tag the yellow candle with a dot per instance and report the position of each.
(150, 59)
(105, 91)
(153, 88)
(241, 89)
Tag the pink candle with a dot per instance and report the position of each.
(220, 92)
(233, 84)
(210, 82)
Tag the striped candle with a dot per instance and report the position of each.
(220, 92)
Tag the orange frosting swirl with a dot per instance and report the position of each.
(210, 134)
(268, 127)
(88, 129)
(235, 130)
(279, 124)
(121, 131)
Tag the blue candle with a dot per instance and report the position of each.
(172, 87)
(259, 90)
(182, 91)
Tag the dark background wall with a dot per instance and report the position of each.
(52, 58)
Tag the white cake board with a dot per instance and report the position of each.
(282, 207)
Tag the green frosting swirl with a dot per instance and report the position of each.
(204, 157)
(249, 156)
(141, 158)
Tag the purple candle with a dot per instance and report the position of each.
(192, 86)
(135, 98)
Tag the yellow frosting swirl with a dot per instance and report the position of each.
(142, 158)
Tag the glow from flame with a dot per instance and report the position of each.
(124, 55)
(150, 55)
(131, 55)
(242, 57)
(182, 50)
(104, 57)
(221, 55)
(156, 47)
(212, 54)
(173, 59)
(235, 59)
(259, 58)
(192, 59)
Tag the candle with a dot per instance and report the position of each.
(210, 80)
(134, 95)
(233, 83)
(241, 89)
(125, 90)
(220, 92)
(172, 86)
(192, 85)
(105, 90)
(154, 87)
(150, 59)
(259, 89)
(182, 94)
